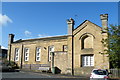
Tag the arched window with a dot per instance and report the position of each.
(86, 41)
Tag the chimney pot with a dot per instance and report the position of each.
(11, 38)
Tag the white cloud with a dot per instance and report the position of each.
(28, 33)
(2, 47)
(42, 35)
(4, 20)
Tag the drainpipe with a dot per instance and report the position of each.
(21, 57)
(52, 63)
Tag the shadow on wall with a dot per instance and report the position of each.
(57, 70)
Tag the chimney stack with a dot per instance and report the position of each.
(104, 19)
(70, 23)
(11, 38)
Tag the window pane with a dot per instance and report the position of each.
(26, 58)
(26, 54)
(51, 49)
(38, 58)
(83, 61)
(26, 50)
(38, 54)
(16, 56)
(87, 61)
(64, 47)
(16, 50)
(38, 51)
(91, 61)
(50, 58)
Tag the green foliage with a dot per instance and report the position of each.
(113, 45)
(11, 63)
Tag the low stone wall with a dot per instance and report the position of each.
(83, 71)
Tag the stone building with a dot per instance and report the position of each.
(0, 53)
(3, 52)
(76, 53)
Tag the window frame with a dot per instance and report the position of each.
(49, 52)
(65, 46)
(87, 60)
(82, 39)
(36, 56)
(27, 54)
(16, 56)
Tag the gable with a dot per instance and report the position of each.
(85, 24)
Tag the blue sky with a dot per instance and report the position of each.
(41, 19)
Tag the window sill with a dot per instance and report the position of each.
(37, 61)
(25, 61)
(87, 66)
(87, 49)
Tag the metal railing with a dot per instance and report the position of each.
(34, 66)
(115, 73)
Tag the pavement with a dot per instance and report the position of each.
(55, 75)
(30, 75)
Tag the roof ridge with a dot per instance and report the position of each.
(42, 38)
(84, 22)
(80, 24)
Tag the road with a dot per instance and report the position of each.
(22, 75)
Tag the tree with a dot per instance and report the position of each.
(113, 46)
